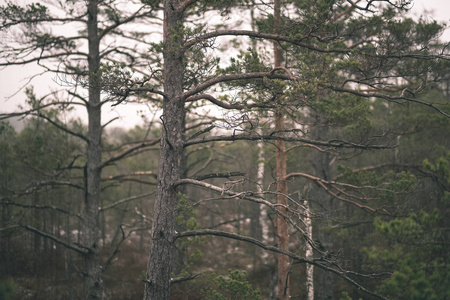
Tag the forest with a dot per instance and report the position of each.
(288, 149)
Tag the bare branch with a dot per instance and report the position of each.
(261, 35)
(131, 18)
(250, 137)
(125, 200)
(129, 151)
(36, 206)
(396, 99)
(56, 240)
(41, 184)
(322, 183)
(321, 263)
(42, 57)
(63, 128)
(31, 111)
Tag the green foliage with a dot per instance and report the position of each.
(343, 109)
(418, 254)
(12, 14)
(186, 213)
(415, 281)
(346, 296)
(7, 158)
(114, 79)
(387, 185)
(235, 286)
(186, 221)
(7, 288)
(410, 229)
(441, 167)
(246, 61)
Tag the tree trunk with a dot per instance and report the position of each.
(282, 226)
(93, 286)
(157, 283)
(321, 167)
(179, 249)
(37, 237)
(309, 254)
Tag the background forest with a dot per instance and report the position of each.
(290, 150)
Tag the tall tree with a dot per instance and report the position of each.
(282, 187)
(30, 38)
(364, 51)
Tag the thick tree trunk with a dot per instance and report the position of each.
(93, 286)
(157, 283)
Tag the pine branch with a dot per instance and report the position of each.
(249, 137)
(225, 105)
(233, 77)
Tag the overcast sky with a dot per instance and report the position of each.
(12, 78)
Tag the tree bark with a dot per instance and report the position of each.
(157, 283)
(93, 286)
(309, 254)
(282, 226)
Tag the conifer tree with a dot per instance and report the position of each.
(92, 55)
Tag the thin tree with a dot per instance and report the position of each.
(87, 61)
(282, 187)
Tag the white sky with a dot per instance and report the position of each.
(12, 78)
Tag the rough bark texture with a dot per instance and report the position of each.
(157, 284)
(93, 286)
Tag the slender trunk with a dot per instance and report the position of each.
(37, 237)
(93, 286)
(309, 254)
(322, 168)
(259, 228)
(282, 226)
(263, 228)
(68, 252)
(157, 283)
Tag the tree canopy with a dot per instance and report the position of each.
(321, 169)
